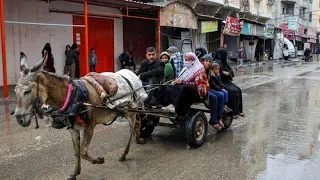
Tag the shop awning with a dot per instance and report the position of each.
(312, 40)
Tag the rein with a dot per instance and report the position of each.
(36, 106)
(38, 110)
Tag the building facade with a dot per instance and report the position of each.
(295, 19)
(316, 18)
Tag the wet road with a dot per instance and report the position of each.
(279, 139)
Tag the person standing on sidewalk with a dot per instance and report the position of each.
(50, 61)
(318, 53)
(70, 66)
(93, 60)
(75, 48)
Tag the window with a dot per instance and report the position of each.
(310, 17)
(290, 11)
(302, 12)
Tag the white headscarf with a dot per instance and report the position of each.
(188, 73)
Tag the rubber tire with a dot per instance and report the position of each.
(190, 128)
(147, 128)
(227, 121)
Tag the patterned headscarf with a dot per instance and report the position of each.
(188, 74)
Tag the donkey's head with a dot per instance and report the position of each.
(27, 89)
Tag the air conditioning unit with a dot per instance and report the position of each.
(270, 2)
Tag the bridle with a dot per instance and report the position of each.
(37, 106)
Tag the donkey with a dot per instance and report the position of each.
(36, 85)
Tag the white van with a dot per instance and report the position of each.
(291, 49)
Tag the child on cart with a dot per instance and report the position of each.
(218, 96)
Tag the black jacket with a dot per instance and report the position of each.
(71, 57)
(216, 83)
(154, 71)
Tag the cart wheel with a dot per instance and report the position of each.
(147, 127)
(227, 121)
(196, 128)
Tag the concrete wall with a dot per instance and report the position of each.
(30, 39)
(316, 14)
(279, 17)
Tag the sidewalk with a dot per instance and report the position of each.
(12, 94)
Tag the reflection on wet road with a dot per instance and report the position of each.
(279, 139)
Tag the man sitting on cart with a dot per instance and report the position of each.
(151, 71)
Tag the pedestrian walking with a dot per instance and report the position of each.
(50, 61)
(285, 52)
(93, 60)
(70, 64)
(241, 56)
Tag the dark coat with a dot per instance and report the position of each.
(216, 83)
(221, 57)
(318, 50)
(71, 57)
(153, 71)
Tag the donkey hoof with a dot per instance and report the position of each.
(72, 177)
(122, 158)
(141, 141)
(99, 160)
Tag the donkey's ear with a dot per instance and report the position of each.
(23, 62)
(40, 64)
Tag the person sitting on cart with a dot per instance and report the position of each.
(216, 93)
(234, 92)
(168, 69)
(190, 87)
(151, 71)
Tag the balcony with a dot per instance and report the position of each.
(232, 4)
(214, 2)
(289, 1)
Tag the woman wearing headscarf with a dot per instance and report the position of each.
(50, 61)
(200, 52)
(235, 93)
(74, 47)
(190, 87)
